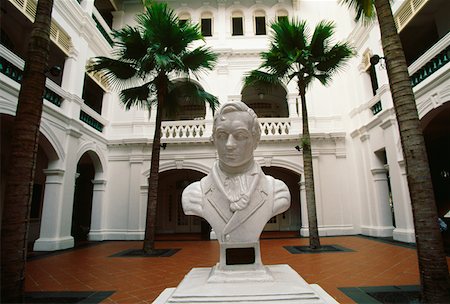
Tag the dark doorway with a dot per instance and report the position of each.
(171, 218)
(291, 219)
(437, 140)
(82, 202)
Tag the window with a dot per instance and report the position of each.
(183, 18)
(206, 25)
(282, 15)
(260, 25)
(238, 26)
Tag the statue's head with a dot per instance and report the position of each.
(236, 134)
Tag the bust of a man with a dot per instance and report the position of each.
(236, 197)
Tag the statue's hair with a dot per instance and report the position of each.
(238, 106)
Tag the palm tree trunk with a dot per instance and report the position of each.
(24, 146)
(152, 196)
(314, 241)
(433, 268)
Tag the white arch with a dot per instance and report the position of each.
(57, 146)
(185, 165)
(98, 158)
(56, 151)
(282, 163)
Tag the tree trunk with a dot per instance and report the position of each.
(21, 166)
(314, 241)
(152, 196)
(433, 267)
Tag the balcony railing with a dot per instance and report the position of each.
(196, 129)
(183, 129)
(431, 61)
(431, 66)
(15, 73)
(274, 126)
(376, 108)
(91, 121)
(102, 26)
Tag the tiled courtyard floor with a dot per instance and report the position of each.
(141, 279)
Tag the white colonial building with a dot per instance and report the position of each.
(94, 157)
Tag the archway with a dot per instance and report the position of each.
(45, 155)
(291, 219)
(171, 218)
(436, 130)
(437, 139)
(266, 102)
(181, 103)
(82, 201)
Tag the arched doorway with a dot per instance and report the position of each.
(171, 218)
(266, 102)
(291, 219)
(45, 155)
(437, 139)
(82, 201)
(182, 105)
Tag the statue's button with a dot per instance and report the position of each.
(227, 237)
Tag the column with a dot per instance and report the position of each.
(383, 224)
(134, 232)
(304, 230)
(88, 6)
(50, 237)
(98, 211)
(117, 19)
(292, 106)
(70, 71)
(208, 121)
(404, 225)
(368, 217)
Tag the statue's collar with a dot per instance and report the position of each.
(222, 175)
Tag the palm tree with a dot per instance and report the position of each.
(296, 54)
(434, 276)
(24, 146)
(147, 55)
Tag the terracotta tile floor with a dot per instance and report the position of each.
(140, 280)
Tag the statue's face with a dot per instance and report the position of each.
(233, 139)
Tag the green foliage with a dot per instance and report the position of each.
(305, 142)
(364, 9)
(295, 53)
(159, 46)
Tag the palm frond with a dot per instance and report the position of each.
(364, 9)
(335, 58)
(289, 35)
(129, 44)
(277, 62)
(117, 73)
(320, 38)
(136, 96)
(199, 59)
(190, 93)
(261, 79)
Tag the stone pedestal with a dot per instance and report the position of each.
(278, 284)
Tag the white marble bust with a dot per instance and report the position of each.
(236, 197)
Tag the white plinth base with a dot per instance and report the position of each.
(287, 286)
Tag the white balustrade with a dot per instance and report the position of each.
(274, 126)
(182, 129)
(196, 128)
